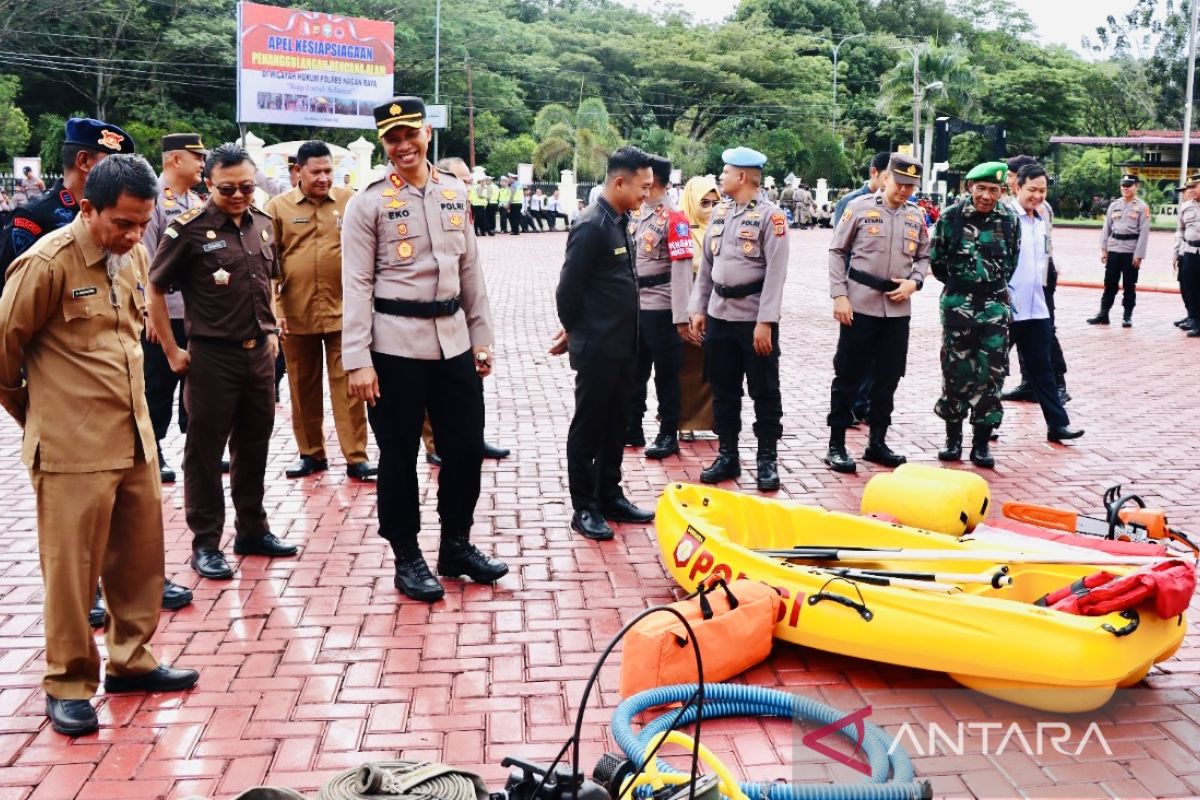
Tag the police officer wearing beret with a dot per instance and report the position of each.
(222, 257)
(735, 307)
(86, 144)
(417, 337)
(887, 246)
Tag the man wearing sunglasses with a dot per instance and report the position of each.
(72, 316)
(222, 257)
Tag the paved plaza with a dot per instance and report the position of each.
(316, 664)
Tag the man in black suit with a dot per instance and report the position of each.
(598, 308)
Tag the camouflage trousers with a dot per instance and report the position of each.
(974, 365)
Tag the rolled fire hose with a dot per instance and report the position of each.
(419, 780)
(891, 772)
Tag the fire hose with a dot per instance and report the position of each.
(417, 780)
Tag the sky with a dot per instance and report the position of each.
(1058, 21)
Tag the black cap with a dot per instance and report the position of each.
(406, 111)
(184, 141)
(99, 136)
(1129, 178)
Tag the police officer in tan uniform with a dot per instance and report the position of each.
(735, 306)
(1123, 245)
(416, 337)
(71, 316)
(308, 232)
(222, 257)
(884, 240)
(1187, 254)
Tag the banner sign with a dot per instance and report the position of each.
(313, 69)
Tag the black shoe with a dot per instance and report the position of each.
(458, 556)
(953, 449)
(416, 581)
(621, 510)
(492, 451)
(1064, 396)
(307, 465)
(1194, 331)
(767, 463)
(267, 545)
(836, 456)
(1063, 434)
(1099, 319)
(727, 464)
(174, 596)
(980, 440)
(361, 470)
(634, 437)
(165, 473)
(160, 679)
(591, 525)
(211, 564)
(665, 444)
(1127, 322)
(433, 459)
(71, 717)
(98, 613)
(878, 452)
(1186, 322)
(1022, 394)
(224, 466)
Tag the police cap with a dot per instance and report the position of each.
(1191, 180)
(905, 169)
(96, 135)
(1129, 179)
(400, 111)
(184, 141)
(989, 172)
(744, 157)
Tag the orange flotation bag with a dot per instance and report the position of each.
(1169, 585)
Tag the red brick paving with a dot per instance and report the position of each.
(314, 664)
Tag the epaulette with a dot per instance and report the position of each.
(188, 216)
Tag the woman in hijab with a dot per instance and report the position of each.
(700, 197)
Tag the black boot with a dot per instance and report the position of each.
(458, 556)
(878, 452)
(768, 467)
(665, 444)
(980, 439)
(1022, 394)
(727, 465)
(1127, 322)
(1064, 396)
(413, 576)
(1099, 319)
(953, 449)
(836, 457)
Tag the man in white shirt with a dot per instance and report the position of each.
(1031, 329)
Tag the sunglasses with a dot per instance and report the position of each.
(708, 203)
(229, 191)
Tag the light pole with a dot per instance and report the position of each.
(836, 48)
(916, 129)
(926, 156)
(1187, 108)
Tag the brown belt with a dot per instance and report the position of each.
(241, 344)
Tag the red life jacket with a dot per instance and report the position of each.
(1169, 585)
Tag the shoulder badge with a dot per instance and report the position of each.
(188, 216)
(847, 214)
(779, 223)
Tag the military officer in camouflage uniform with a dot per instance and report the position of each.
(974, 253)
(735, 307)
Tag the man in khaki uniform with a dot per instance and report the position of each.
(1187, 253)
(1123, 244)
(735, 307)
(72, 316)
(308, 232)
(878, 258)
(416, 338)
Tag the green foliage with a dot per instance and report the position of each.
(14, 125)
(1090, 179)
(967, 150)
(506, 154)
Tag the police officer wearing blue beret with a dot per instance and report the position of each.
(87, 142)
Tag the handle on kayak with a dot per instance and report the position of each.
(1130, 614)
(859, 605)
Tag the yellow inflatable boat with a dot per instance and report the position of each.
(987, 636)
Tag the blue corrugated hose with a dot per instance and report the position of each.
(730, 700)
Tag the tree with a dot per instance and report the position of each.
(14, 125)
(581, 141)
(945, 65)
(507, 154)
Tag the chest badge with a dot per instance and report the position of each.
(210, 234)
(221, 277)
(266, 236)
(402, 229)
(456, 220)
(404, 250)
(747, 247)
(449, 194)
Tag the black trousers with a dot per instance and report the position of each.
(1120, 269)
(660, 349)
(1057, 359)
(1189, 283)
(161, 382)
(449, 390)
(514, 219)
(479, 213)
(489, 218)
(730, 358)
(1032, 338)
(596, 440)
(869, 346)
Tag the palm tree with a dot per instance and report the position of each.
(952, 82)
(583, 139)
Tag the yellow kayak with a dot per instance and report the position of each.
(989, 638)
